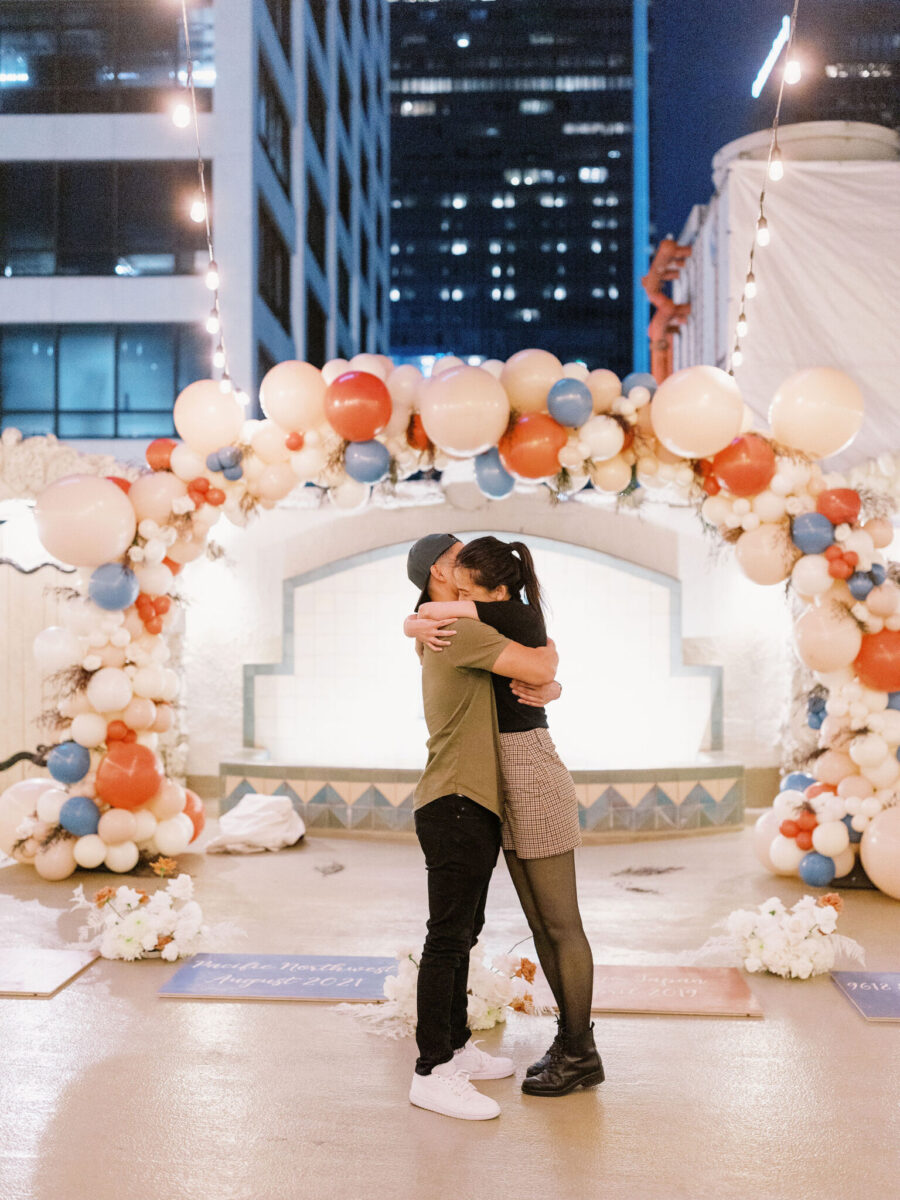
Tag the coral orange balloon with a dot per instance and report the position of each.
(531, 448)
(357, 405)
(194, 809)
(159, 454)
(128, 775)
(746, 467)
(878, 661)
(839, 505)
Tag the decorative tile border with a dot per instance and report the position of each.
(610, 803)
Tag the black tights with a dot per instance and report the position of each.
(546, 889)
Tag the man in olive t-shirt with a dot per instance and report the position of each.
(458, 808)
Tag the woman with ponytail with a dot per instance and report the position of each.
(541, 828)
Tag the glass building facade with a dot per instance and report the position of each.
(517, 140)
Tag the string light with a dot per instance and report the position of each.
(212, 276)
(774, 172)
(198, 210)
(181, 115)
(213, 324)
(219, 356)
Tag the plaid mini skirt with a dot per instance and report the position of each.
(540, 806)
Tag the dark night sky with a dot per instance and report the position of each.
(705, 55)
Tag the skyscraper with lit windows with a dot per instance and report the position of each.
(103, 306)
(519, 178)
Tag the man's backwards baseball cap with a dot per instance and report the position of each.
(423, 555)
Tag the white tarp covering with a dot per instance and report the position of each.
(828, 285)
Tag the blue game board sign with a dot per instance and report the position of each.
(323, 977)
(876, 994)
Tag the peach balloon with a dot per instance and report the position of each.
(111, 656)
(268, 442)
(883, 600)
(698, 411)
(117, 825)
(881, 531)
(880, 851)
(293, 394)
(826, 641)
(208, 418)
(152, 496)
(605, 387)
(84, 520)
(58, 860)
(764, 833)
(133, 622)
(187, 464)
(157, 579)
(528, 377)
(818, 411)
(139, 713)
(465, 410)
(275, 481)
(169, 801)
(613, 476)
(164, 719)
(185, 550)
(855, 787)
(833, 766)
(766, 555)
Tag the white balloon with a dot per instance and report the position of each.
(146, 824)
(122, 857)
(331, 370)
(831, 838)
(89, 729)
(868, 750)
(603, 437)
(786, 855)
(90, 851)
(109, 690)
(55, 649)
(349, 495)
(885, 773)
(49, 805)
(810, 575)
(150, 682)
(171, 837)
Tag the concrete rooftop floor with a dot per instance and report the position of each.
(109, 1093)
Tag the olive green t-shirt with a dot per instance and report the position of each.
(461, 714)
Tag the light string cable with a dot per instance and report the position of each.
(214, 322)
(761, 235)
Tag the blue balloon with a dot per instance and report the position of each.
(367, 462)
(860, 584)
(228, 456)
(893, 699)
(878, 574)
(80, 816)
(113, 587)
(639, 379)
(491, 475)
(797, 781)
(812, 532)
(68, 762)
(816, 703)
(816, 870)
(815, 720)
(234, 472)
(855, 835)
(570, 403)
(213, 462)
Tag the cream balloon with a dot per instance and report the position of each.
(334, 368)
(122, 858)
(764, 833)
(116, 826)
(276, 481)
(697, 411)
(603, 437)
(50, 804)
(605, 388)
(208, 418)
(528, 377)
(465, 410)
(187, 464)
(171, 837)
(307, 463)
(149, 681)
(825, 640)
(810, 575)
(293, 395)
(881, 531)
(89, 851)
(785, 855)
(372, 364)
(766, 554)
(184, 550)
(403, 383)
(493, 366)
(349, 495)
(446, 363)
(575, 370)
(55, 649)
(57, 861)
(832, 767)
(145, 824)
(831, 838)
(84, 520)
(139, 713)
(109, 690)
(879, 851)
(844, 862)
(268, 442)
(153, 495)
(156, 580)
(614, 475)
(768, 506)
(818, 411)
(883, 601)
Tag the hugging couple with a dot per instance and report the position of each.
(492, 778)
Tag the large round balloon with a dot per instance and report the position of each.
(357, 406)
(208, 418)
(746, 466)
(464, 410)
(152, 496)
(531, 448)
(85, 520)
(491, 475)
(878, 662)
(528, 377)
(826, 640)
(766, 554)
(818, 411)
(880, 851)
(16, 803)
(56, 648)
(764, 833)
(697, 411)
(128, 775)
(293, 395)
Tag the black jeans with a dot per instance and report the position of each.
(461, 841)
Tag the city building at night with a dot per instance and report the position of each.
(519, 185)
(103, 301)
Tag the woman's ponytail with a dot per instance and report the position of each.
(529, 577)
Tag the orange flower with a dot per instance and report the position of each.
(164, 866)
(164, 941)
(527, 970)
(833, 900)
(104, 896)
(523, 1004)
(144, 898)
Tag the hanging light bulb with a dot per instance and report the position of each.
(181, 115)
(763, 237)
(242, 398)
(219, 356)
(198, 209)
(776, 166)
(213, 324)
(225, 383)
(212, 275)
(737, 356)
(750, 286)
(793, 72)
(741, 327)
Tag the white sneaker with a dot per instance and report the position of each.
(451, 1095)
(478, 1064)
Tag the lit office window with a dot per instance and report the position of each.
(445, 293)
(457, 294)
(528, 314)
(613, 292)
(595, 128)
(598, 293)
(496, 271)
(549, 200)
(593, 174)
(459, 247)
(395, 294)
(561, 247)
(509, 292)
(559, 293)
(417, 108)
(596, 247)
(534, 108)
(495, 247)
(496, 294)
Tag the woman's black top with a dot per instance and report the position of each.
(520, 623)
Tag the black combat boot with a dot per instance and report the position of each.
(577, 1064)
(555, 1048)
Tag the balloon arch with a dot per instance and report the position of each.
(354, 424)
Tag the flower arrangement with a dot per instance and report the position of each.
(495, 989)
(794, 943)
(129, 923)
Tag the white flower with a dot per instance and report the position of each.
(170, 951)
(753, 964)
(181, 887)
